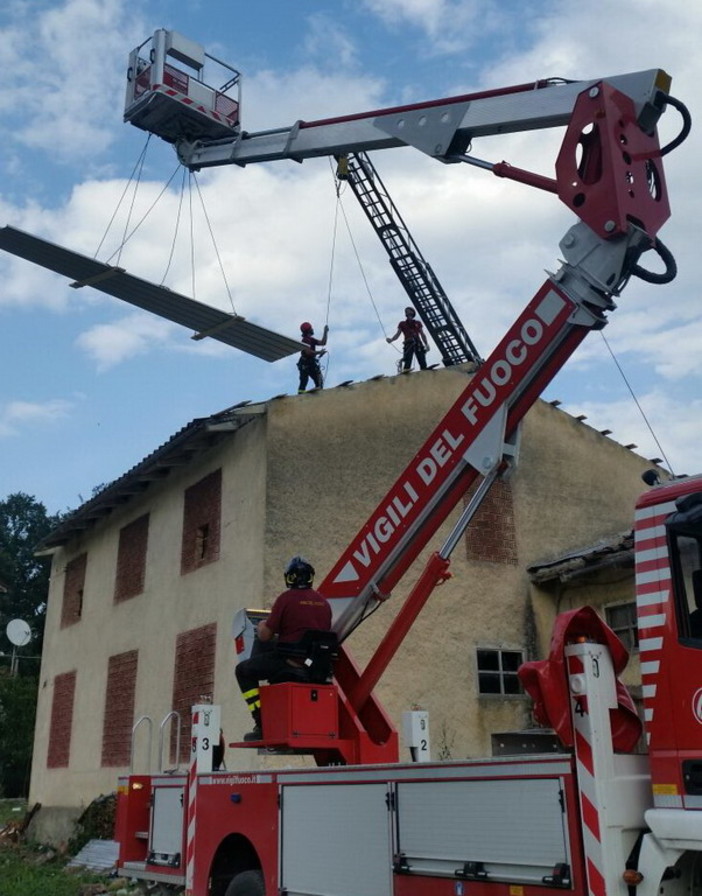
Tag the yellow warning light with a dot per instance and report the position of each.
(632, 878)
(137, 785)
(665, 790)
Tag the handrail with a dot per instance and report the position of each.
(131, 751)
(171, 715)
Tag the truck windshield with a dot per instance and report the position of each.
(685, 542)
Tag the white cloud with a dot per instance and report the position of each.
(61, 82)
(448, 23)
(132, 335)
(325, 38)
(18, 415)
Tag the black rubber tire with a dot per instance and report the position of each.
(247, 883)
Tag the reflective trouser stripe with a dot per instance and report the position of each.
(252, 699)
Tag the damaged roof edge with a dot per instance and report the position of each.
(194, 438)
(617, 551)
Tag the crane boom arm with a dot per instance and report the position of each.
(443, 129)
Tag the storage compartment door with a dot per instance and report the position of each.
(335, 840)
(166, 840)
(506, 830)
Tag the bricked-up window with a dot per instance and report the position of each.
(491, 534)
(201, 522)
(497, 671)
(621, 618)
(119, 708)
(131, 559)
(73, 587)
(59, 752)
(193, 679)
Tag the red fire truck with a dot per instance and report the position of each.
(596, 818)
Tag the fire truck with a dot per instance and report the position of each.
(598, 817)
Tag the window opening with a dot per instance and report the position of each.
(497, 671)
(622, 619)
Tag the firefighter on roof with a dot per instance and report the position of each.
(297, 610)
(415, 340)
(308, 365)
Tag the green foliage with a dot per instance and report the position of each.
(97, 822)
(27, 872)
(24, 522)
(12, 810)
(18, 697)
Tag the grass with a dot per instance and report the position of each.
(30, 870)
(25, 872)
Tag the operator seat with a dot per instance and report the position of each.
(311, 659)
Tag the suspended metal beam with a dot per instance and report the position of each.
(231, 329)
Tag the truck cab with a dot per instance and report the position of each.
(668, 535)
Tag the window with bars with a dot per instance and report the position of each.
(73, 590)
(131, 559)
(497, 671)
(201, 523)
(621, 618)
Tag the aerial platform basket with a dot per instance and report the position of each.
(175, 103)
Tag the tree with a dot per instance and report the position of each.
(24, 522)
(18, 699)
(24, 578)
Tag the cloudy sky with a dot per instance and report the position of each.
(91, 386)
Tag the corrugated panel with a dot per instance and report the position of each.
(97, 855)
(203, 319)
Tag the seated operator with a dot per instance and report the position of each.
(294, 612)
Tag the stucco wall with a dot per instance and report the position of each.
(150, 622)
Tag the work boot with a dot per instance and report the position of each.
(257, 733)
(254, 735)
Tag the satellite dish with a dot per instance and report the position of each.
(18, 632)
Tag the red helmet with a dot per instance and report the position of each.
(306, 327)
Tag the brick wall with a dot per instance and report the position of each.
(73, 586)
(131, 559)
(193, 678)
(119, 708)
(61, 720)
(491, 535)
(201, 522)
